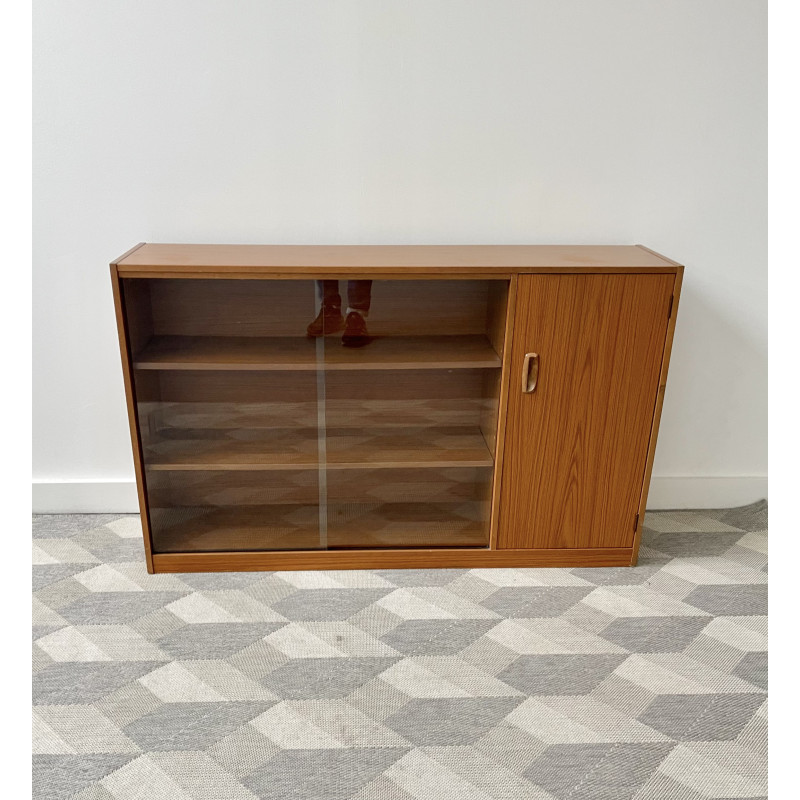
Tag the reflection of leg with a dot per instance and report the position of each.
(358, 299)
(329, 319)
(358, 296)
(329, 293)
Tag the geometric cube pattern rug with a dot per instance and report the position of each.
(644, 683)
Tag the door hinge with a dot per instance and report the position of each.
(669, 311)
(636, 522)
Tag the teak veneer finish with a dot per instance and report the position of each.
(389, 559)
(288, 354)
(577, 455)
(318, 260)
(256, 448)
(295, 448)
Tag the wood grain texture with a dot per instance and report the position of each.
(496, 317)
(659, 255)
(117, 260)
(287, 354)
(433, 275)
(390, 559)
(502, 415)
(578, 457)
(662, 385)
(575, 457)
(133, 421)
(344, 260)
(138, 314)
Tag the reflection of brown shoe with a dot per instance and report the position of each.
(355, 331)
(328, 321)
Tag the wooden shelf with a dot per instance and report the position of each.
(291, 448)
(300, 353)
(294, 527)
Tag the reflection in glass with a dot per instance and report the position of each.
(260, 431)
(330, 320)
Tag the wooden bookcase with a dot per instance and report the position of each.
(503, 410)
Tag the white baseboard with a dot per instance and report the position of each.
(705, 491)
(85, 497)
(119, 497)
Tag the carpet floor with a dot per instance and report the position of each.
(645, 683)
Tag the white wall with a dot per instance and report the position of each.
(361, 121)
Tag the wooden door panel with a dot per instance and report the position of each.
(576, 446)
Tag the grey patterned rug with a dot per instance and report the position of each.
(647, 683)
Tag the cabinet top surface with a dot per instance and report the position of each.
(310, 259)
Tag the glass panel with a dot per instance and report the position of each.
(428, 507)
(410, 412)
(226, 385)
(317, 414)
(199, 510)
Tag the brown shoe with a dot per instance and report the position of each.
(355, 331)
(328, 321)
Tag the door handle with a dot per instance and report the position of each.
(530, 372)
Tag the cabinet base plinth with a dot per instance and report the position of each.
(390, 559)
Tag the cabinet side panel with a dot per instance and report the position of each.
(496, 319)
(662, 385)
(508, 339)
(577, 445)
(130, 397)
